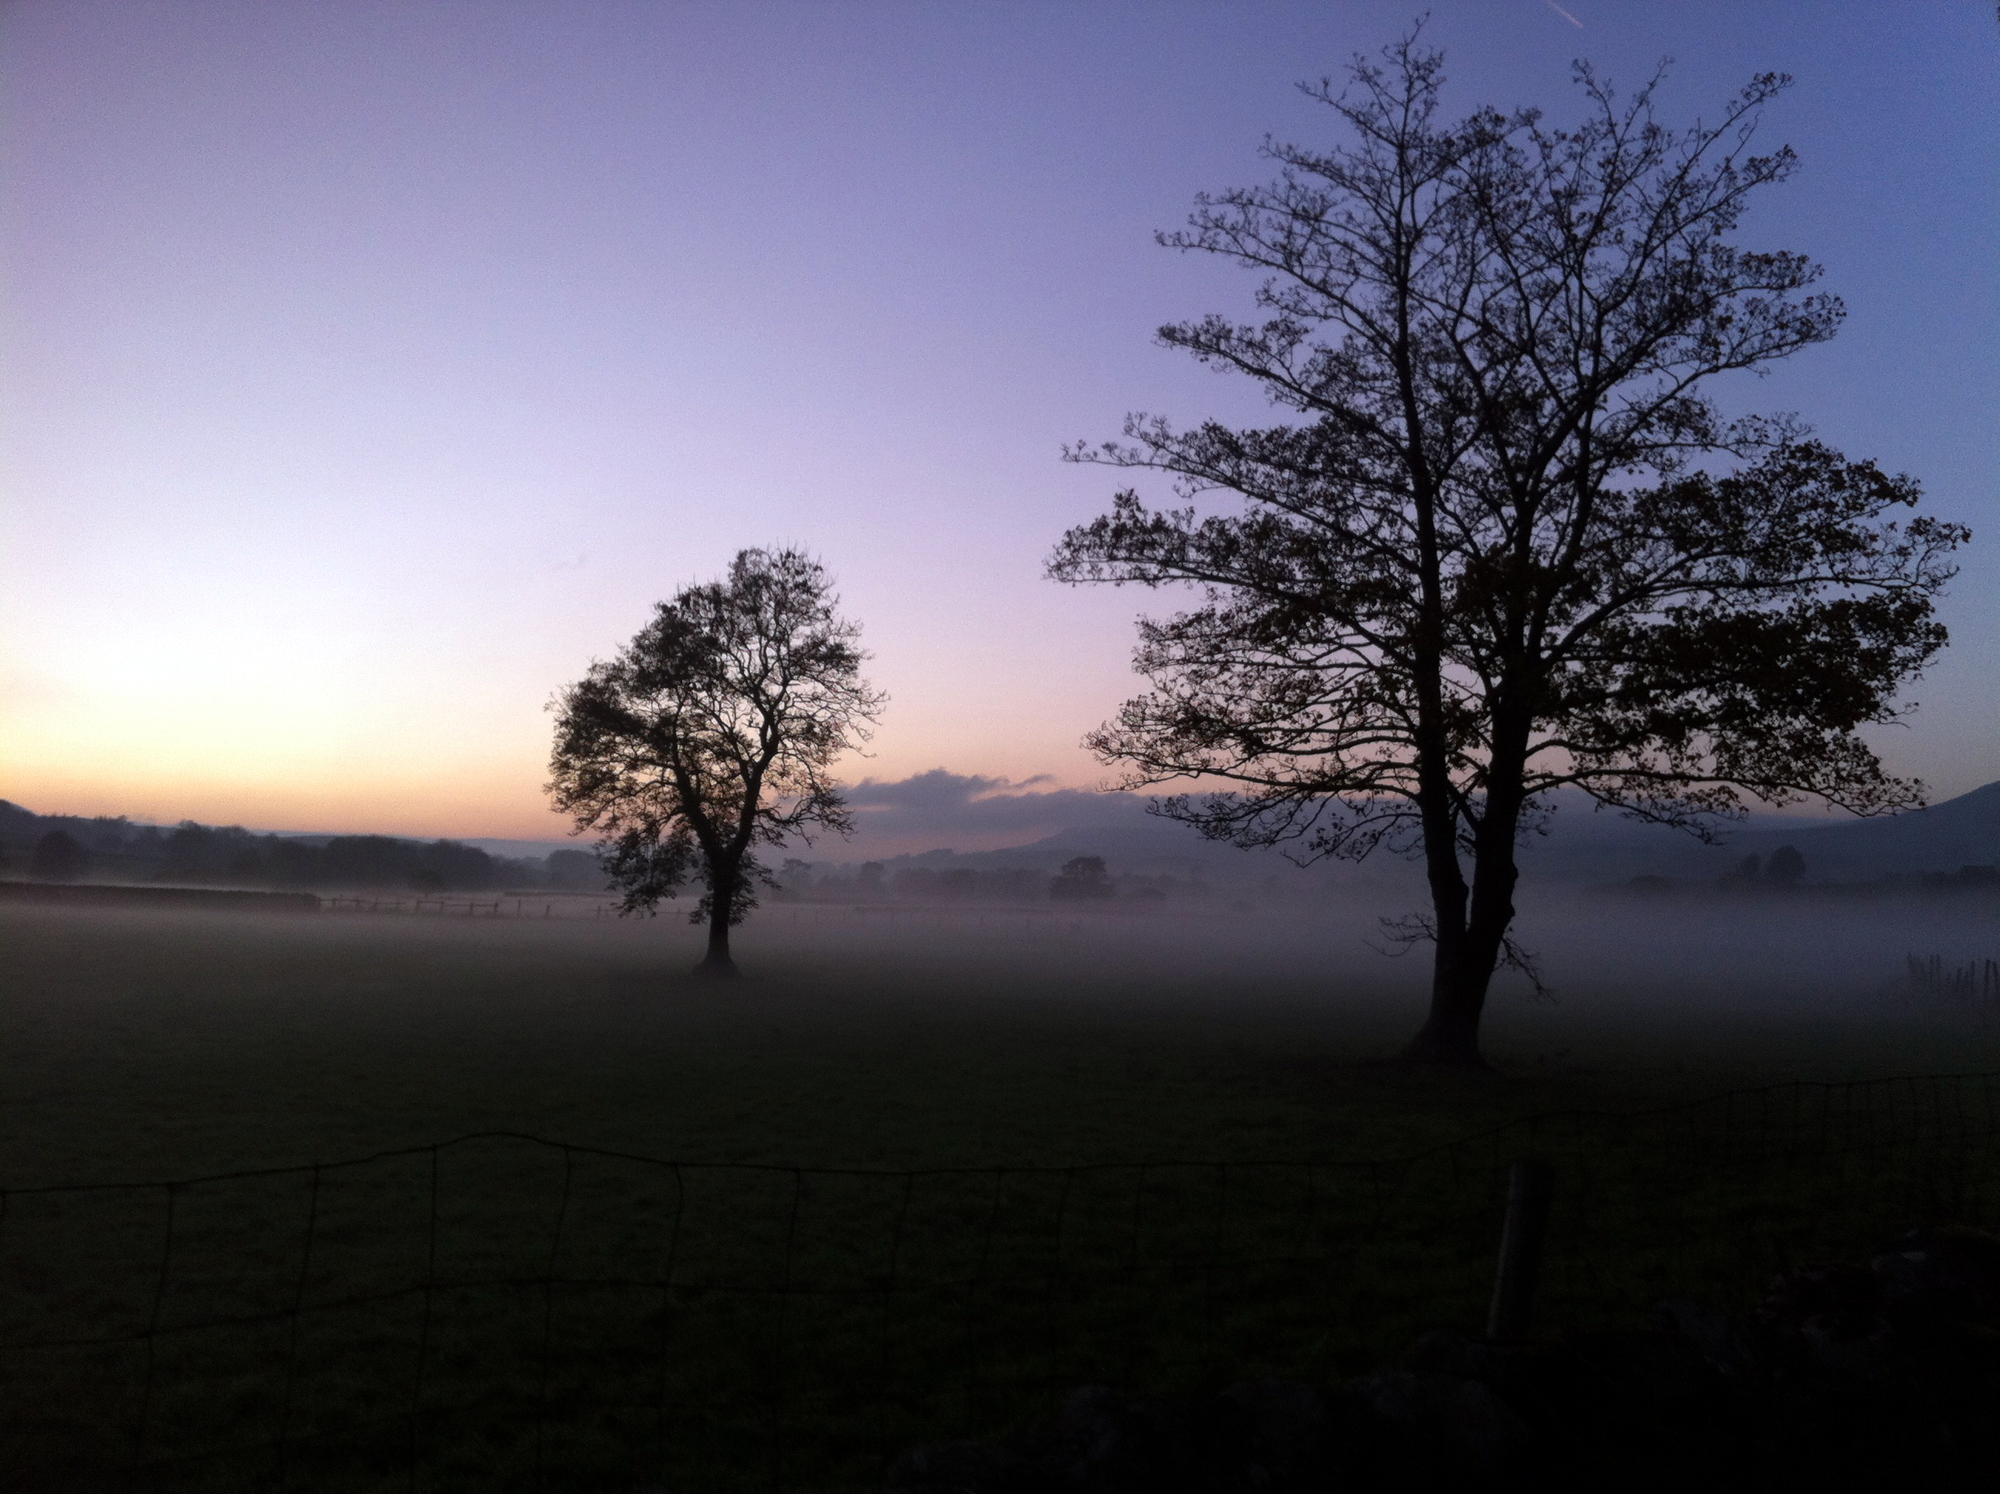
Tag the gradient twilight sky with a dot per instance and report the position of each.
(367, 369)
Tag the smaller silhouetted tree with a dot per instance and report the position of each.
(1785, 867)
(58, 857)
(712, 734)
(795, 878)
(1081, 879)
(1750, 867)
(574, 871)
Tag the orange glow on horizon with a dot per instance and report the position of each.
(456, 805)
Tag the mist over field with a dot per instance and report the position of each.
(172, 1041)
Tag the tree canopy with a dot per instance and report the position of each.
(1511, 542)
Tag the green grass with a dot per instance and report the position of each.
(138, 1047)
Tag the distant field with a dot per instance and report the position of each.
(142, 1045)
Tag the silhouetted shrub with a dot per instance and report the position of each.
(1081, 878)
(58, 858)
(1785, 867)
(576, 871)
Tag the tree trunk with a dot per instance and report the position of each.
(1470, 940)
(1449, 1037)
(721, 913)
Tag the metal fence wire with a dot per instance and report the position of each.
(501, 1311)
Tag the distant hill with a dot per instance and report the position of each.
(1147, 849)
(1964, 831)
(1582, 845)
(1959, 832)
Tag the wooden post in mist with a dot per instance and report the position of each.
(1530, 1191)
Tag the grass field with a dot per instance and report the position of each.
(510, 1278)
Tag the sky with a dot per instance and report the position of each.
(368, 370)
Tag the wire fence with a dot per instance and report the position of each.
(501, 1311)
(1111, 929)
(999, 916)
(442, 905)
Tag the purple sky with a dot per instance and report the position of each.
(365, 370)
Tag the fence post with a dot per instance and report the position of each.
(1530, 1191)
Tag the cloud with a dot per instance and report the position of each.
(970, 812)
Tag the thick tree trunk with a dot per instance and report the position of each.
(717, 960)
(1450, 1035)
(1471, 931)
(721, 912)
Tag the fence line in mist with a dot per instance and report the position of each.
(502, 1310)
(443, 906)
(1975, 980)
(1063, 918)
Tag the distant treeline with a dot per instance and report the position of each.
(68, 848)
(1785, 869)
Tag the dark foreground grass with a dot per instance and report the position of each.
(926, 1180)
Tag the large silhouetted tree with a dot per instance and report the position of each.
(712, 733)
(1511, 543)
